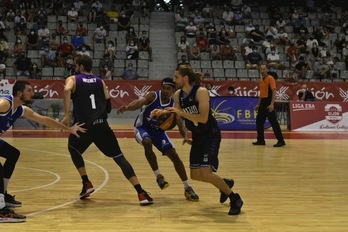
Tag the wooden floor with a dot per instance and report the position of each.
(300, 187)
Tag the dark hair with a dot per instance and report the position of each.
(19, 86)
(186, 70)
(168, 81)
(85, 61)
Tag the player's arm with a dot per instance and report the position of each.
(4, 105)
(180, 121)
(138, 103)
(69, 87)
(50, 122)
(204, 107)
(107, 98)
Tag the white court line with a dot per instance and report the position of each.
(58, 178)
(106, 179)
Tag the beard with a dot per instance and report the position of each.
(26, 101)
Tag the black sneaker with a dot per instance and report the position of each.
(145, 199)
(8, 215)
(191, 195)
(259, 143)
(223, 196)
(279, 144)
(11, 202)
(87, 189)
(236, 204)
(162, 183)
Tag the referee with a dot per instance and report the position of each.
(265, 109)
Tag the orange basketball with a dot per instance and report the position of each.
(166, 120)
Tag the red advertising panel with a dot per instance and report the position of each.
(319, 116)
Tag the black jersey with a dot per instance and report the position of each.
(89, 100)
(189, 104)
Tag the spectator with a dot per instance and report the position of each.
(228, 17)
(183, 45)
(34, 71)
(54, 42)
(249, 28)
(32, 40)
(190, 30)
(323, 69)
(215, 53)
(130, 73)
(144, 44)
(207, 11)
(112, 14)
(73, 15)
(202, 43)
(42, 15)
(77, 40)
(305, 95)
(43, 31)
(106, 61)
(212, 92)
(44, 41)
(81, 30)
(60, 29)
(256, 35)
(194, 52)
(83, 51)
(3, 68)
(21, 66)
(92, 15)
(31, 13)
(106, 73)
(21, 27)
(180, 21)
(253, 60)
(301, 67)
(291, 77)
(273, 60)
(48, 57)
(283, 38)
(19, 48)
(131, 34)
(183, 61)
(222, 36)
(99, 35)
(78, 6)
(66, 48)
(110, 49)
(132, 52)
(123, 23)
(4, 49)
(227, 52)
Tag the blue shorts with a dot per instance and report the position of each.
(159, 138)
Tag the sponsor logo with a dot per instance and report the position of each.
(302, 106)
(333, 113)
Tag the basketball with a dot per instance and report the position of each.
(166, 120)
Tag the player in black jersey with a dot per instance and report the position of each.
(91, 104)
(192, 103)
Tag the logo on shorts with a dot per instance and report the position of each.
(205, 158)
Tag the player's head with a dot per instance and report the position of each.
(186, 72)
(83, 63)
(167, 87)
(168, 81)
(23, 90)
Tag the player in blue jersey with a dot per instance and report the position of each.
(147, 133)
(192, 103)
(11, 108)
(91, 104)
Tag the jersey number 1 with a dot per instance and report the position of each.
(92, 101)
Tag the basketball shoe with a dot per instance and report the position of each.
(87, 189)
(11, 202)
(162, 183)
(236, 204)
(223, 196)
(145, 199)
(190, 194)
(8, 215)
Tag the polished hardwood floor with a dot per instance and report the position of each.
(300, 187)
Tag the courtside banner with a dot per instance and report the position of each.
(235, 113)
(319, 116)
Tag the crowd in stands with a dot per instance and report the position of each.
(41, 39)
(307, 41)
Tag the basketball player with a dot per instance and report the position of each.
(192, 103)
(11, 108)
(91, 104)
(147, 133)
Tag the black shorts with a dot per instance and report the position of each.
(205, 149)
(102, 136)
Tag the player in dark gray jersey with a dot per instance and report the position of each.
(91, 104)
(192, 103)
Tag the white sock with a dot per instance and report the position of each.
(186, 183)
(2, 201)
(5, 184)
(157, 172)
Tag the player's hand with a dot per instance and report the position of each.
(188, 141)
(270, 108)
(121, 109)
(77, 127)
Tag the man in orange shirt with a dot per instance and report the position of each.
(265, 109)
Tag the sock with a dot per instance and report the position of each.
(84, 179)
(6, 180)
(157, 172)
(138, 188)
(186, 183)
(2, 201)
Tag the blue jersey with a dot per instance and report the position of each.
(89, 100)
(141, 120)
(8, 118)
(189, 104)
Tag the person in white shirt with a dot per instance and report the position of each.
(99, 34)
(73, 15)
(43, 31)
(228, 17)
